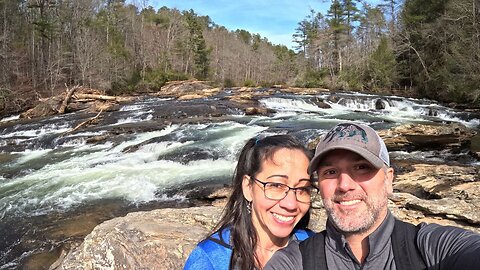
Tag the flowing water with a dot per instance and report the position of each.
(56, 185)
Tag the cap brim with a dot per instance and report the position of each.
(369, 156)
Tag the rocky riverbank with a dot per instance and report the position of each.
(442, 190)
(163, 238)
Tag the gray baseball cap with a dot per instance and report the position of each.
(354, 137)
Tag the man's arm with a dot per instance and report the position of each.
(447, 247)
(288, 258)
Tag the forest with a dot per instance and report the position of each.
(426, 48)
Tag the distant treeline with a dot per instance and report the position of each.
(430, 47)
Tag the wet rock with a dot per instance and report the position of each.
(256, 111)
(380, 104)
(320, 103)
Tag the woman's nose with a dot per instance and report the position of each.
(290, 200)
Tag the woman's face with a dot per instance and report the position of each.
(274, 220)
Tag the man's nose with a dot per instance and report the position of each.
(346, 182)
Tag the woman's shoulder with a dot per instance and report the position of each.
(220, 237)
(213, 252)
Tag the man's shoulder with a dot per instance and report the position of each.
(429, 230)
(454, 247)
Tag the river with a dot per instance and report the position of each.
(56, 185)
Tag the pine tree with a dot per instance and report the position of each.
(198, 45)
(336, 22)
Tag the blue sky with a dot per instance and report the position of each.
(274, 19)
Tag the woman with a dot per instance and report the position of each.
(268, 207)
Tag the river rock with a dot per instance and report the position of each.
(190, 96)
(159, 239)
(43, 108)
(320, 102)
(418, 136)
(449, 211)
(182, 88)
(439, 181)
(256, 111)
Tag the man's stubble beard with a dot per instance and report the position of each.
(358, 221)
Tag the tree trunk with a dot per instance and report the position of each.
(67, 98)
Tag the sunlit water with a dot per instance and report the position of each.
(45, 170)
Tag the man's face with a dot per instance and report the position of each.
(354, 192)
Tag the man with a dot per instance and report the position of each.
(355, 179)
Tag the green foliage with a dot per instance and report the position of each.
(307, 32)
(249, 83)
(443, 57)
(350, 79)
(153, 81)
(418, 12)
(157, 78)
(228, 83)
(198, 45)
(312, 78)
(125, 85)
(244, 36)
(380, 72)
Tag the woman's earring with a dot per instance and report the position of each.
(249, 207)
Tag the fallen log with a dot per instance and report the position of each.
(95, 96)
(67, 98)
(84, 123)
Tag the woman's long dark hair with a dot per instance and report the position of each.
(235, 214)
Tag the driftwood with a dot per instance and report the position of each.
(64, 105)
(95, 96)
(84, 123)
(81, 98)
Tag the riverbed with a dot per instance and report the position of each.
(56, 185)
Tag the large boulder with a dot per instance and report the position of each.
(159, 239)
(183, 88)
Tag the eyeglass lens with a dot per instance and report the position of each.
(278, 191)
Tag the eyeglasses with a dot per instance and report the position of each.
(278, 191)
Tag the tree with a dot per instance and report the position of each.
(351, 16)
(198, 45)
(381, 73)
(336, 22)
